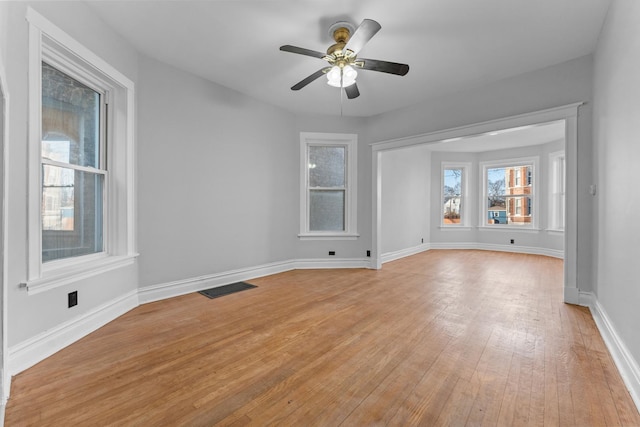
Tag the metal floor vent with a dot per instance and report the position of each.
(227, 289)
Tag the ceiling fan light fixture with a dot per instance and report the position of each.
(341, 77)
(343, 58)
(333, 76)
(349, 75)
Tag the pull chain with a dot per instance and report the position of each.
(341, 92)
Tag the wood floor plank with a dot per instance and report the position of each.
(445, 337)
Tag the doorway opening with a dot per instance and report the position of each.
(490, 138)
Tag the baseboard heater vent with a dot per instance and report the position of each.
(227, 289)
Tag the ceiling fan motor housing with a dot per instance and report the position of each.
(340, 32)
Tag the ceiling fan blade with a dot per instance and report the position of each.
(384, 66)
(302, 51)
(367, 29)
(302, 83)
(352, 91)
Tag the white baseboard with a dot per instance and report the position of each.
(310, 264)
(6, 388)
(392, 256)
(29, 352)
(586, 299)
(195, 284)
(625, 362)
(555, 253)
(573, 296)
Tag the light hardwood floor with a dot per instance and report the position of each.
(441, 338)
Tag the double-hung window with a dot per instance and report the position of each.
(328, 191)
(509, 193)
(454, 194)
(81, 216)
(74, 169)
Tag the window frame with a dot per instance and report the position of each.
(557, 189)
(48, 43)
(464, 195)
(533, 162)
(350, 143)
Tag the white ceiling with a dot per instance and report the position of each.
(450, 45)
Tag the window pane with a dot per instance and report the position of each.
(509, 195)
(326, 210)
(72, 213)
(327, 166)
(452, 196)
(496, 191)
(58, 150)
(515, 181)
(496, 182)
(497, 210)
(70, 114)
(57, 198)
(519, 212)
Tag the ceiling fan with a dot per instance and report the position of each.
(343, 60)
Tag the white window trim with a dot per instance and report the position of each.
(535, 212)
(48, 42)
(464, 212)
(554, 157)
(350, 141)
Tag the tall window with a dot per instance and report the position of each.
(557, 193)
(454, 187)
(73, 169)
(81, 216)
(328, 191)
(509, 199)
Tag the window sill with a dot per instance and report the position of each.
(554, 231)
(455, 228)
(328, 236)
(509, 228)
(63, 276)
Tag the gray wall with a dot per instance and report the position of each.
(406, 198)
(616, 118)
(217, 176)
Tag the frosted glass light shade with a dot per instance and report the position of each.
(333, 76)
(348, 75)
